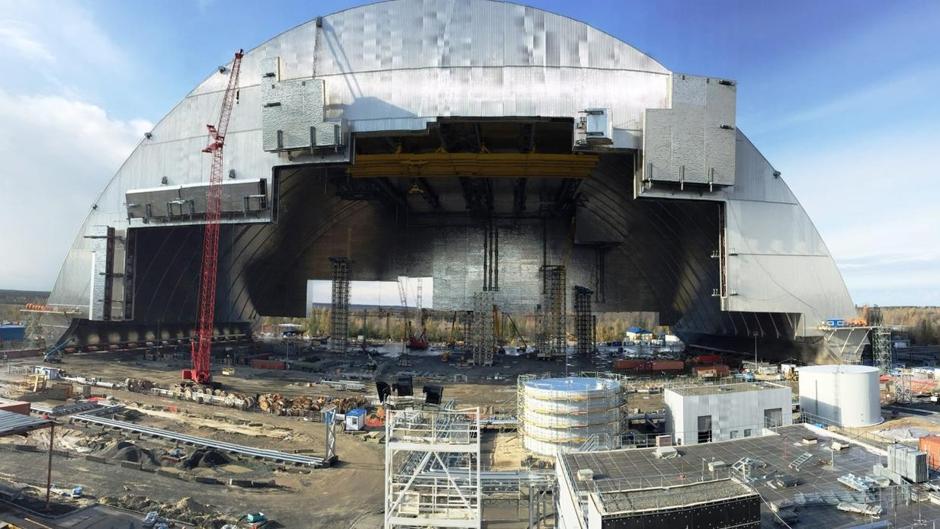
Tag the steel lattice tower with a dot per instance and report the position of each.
(583, 320)
(483, 339)
(339, 305)
(552, 336)
(881, 350)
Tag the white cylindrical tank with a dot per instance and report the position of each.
(568, 413)
(843, 395)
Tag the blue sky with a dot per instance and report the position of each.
(841, 96)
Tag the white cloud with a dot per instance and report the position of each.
(19, 37)
(58, 154)
(46, 42)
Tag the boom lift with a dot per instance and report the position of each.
(202, 344)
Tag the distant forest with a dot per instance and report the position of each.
(374, 325)
(921, 323)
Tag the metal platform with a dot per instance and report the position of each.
(231, 448)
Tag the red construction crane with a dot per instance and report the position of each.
(202, 344)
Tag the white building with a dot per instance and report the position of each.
(698, 414)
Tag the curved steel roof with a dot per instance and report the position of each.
(402, 64)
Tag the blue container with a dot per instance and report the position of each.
(12, 333)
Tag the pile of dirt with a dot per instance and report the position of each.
(186, 510)
(205, 457)
(128, 451)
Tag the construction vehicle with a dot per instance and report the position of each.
(54, 354)
(411, 341)
(202, 344)
(517, 334)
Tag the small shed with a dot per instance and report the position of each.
(356, 419)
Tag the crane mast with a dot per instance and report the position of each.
(202, 344)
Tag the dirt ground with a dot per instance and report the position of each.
(349, 494)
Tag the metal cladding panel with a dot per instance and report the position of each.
(408, 34)
(804, 284)
(292, 115)
(776, 260)
(771, 228)
(190, 199)
(693, 141)
(720, 137)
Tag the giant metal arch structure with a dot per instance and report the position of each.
(403, 134)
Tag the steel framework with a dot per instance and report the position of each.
(552, 332)
(339, 306)
(583, 321)
(881, 350)
(432, 468)
(483, 337)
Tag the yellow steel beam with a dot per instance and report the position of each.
(493, 165)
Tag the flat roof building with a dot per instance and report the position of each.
(701, 414)
(789, 468)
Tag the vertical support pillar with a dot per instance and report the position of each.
(583, 321)
(490, 256)
(339, 306)
(483, 337)
(49, 464)
(553, 309)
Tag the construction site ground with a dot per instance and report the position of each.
(349, 494)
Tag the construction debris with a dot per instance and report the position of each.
(185, 510)
(277, 404)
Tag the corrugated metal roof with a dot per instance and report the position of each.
(14, 423)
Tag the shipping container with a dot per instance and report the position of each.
(930, 444)
(12, 333)
(259, 363)
(629, 364)
(706, 359)
(15, 406)
(667, 365)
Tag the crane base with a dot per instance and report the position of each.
(195, 376)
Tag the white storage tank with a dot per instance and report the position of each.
(843, 395)
(570, 413)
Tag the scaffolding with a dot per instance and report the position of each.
(483, 339)
(552, 331)
(432, 468)
(571, 413)
(466, 323)
(339, 305)
(583, 321)
(882, 351)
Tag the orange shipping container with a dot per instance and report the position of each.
(667, 365)
(258, 363)
(931, 445)
(628, 364)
